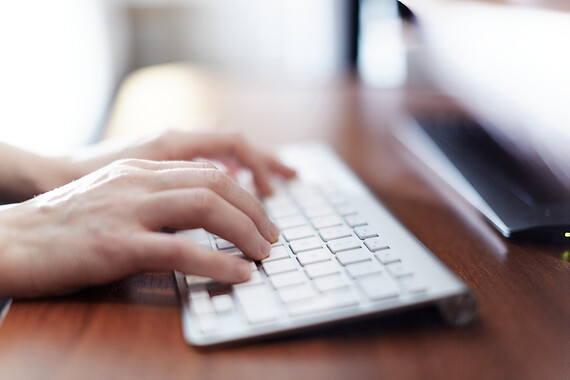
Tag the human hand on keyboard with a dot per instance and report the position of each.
(110, 223)
(230, 149)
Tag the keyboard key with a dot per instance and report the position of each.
(318, 210)
(288, 279)
(322, 269)
(376, 244)
(328, 283)
(343, 244)
(399, 269)
(296, 293)
(314, 256)
(223, 303)
(193, 279)
(365, 232)
(201, 306)
(255, 279)
(379, 286)
(387, 256)
(290, 221)
(198, 291)
(224, 244)
(284, 211)
(364, 268)
(257, 303)
(208, 323)
(355, 220)
(279, 266)
(329, 301)
(337, 232)
(306, 244)
(353, 256)
(326, 221)
(298, 232)
(277, 253)
(413, 284)
(345, 209)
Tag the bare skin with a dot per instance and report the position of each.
(109, 224)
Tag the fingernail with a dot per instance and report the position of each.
(265, 248)
(274, 232)
(243, 271)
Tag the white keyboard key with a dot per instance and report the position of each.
(413, 284)
(376, 244)
(388, 256)
(329, 301)
(198, 291)
(298, 232)
(343, 244)
(201, 306)
(326, 221)
(379, 286)
(224, 244)
(290, 221)
(399, 269)
(322, 269)
(255, 279)
(277, 253)
(364, 268)
(283, 211)
(198, 235)
(318, 210)
(296, 293)
(328, 283)
(257, 303)
(288, 279)
(345, 209)
(279, 266)
(305, 244)
(193, 280)
(365, 232)
(234, 251)
(208, 323)
(353, 256)
(355, 220)
(223, 303)
(337, 232)
(314, 256)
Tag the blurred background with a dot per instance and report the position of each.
(63, 60)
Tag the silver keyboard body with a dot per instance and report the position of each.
(341, 256)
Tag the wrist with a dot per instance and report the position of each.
(48, 173)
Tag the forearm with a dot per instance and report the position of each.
(24, 174)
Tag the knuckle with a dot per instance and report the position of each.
(215, 179)
(259, 212)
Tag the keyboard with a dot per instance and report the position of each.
(341, 256)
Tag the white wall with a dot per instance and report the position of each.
(293, 37)
(61, 60)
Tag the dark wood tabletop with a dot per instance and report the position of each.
(132, 328)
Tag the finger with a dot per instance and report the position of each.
(221, 184)
(278, 167)
(166, 252)
(201, 207)
(165, 165)
(229, 144)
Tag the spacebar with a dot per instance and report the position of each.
(327, 302)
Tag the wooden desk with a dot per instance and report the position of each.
(131, 329)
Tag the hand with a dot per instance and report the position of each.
(109, 224)
(231, 149)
